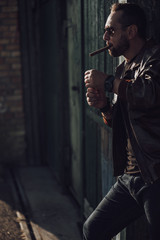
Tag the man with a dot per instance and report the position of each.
(135, 121)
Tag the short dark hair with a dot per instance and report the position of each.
(132, 14)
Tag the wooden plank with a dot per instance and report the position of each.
(106, 160)
(23, 226)
(75, 96)
(94, 21)
(19, 212)
(91, 162)
(31, 81)
(42, 234)
(52, 213)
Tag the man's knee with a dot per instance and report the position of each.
(93, 230)
(88, 230)
(85, 230)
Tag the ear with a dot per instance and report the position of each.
(132, 31)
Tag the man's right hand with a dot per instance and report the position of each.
(95, 79)
(96, 98)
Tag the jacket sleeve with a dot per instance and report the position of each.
(143, 92)
(107, 118)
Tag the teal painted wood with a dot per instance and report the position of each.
(49, 74)
(91, 173)
(92, 120)
(53, 73)
(95, 13)
(98, 157)
(151, 8)
(75, 81)
(106, 160)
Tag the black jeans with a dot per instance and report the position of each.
(127, 200)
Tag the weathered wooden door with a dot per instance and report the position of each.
(75, 81)
(52, 76)
(98, 164)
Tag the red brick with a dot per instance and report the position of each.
(15, 73)
(15, 106)
(11, 74)
(15, 53)
(18, 91)
(13, 98)
(12, 120)
(2, 86)
(19, 115)
(5, 53)
(15, 40)
(8, 15)
(12, 59)
(3, 15)
(16, 66)
(16, 109)
(16, 79)
(4, 67)
(10, 9)
(8, 115)
(4, 74)
(6, 80)
(2, 3)
(12, 2)
(4, 41)
(13, 28)
(9, 34)
(1, 99)
(13, 47)
(4, 28)
(13, 15)
(1, 60)
(9, 21)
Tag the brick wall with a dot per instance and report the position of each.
(12, 127)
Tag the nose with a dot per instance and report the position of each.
(106, 36)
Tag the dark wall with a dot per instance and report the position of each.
(151, 8)
(53, 39)
(12, 122)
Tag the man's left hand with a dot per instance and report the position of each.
(96, 98)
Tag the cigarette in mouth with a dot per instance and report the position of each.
(99, 50)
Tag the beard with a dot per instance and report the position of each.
(121, 47)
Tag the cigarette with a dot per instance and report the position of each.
(99, 50)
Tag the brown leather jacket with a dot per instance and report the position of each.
(141, 94)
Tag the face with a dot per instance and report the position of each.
(116, 35)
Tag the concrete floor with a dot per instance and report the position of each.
(49, 214)
(9, 227)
